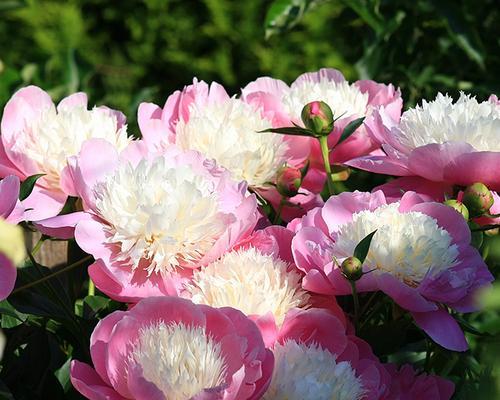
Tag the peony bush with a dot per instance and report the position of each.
(215, 254)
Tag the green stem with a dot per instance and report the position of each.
(38, 245)
(46, 278)
(323, 142)
(277, 218)
(356, 305)
(91, 291)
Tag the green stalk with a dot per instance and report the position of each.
(91, 291)
(323, 142)
(356, 305)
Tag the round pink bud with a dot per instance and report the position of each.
(458, 206)
(318, 117)
(352, 269)
(288, 181)
(478, 199)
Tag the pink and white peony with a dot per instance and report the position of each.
(37, 138)
(347, 100)
(150, 220)
(170, 348)
(205, 118)
(420, 256)
(453, 143)
(257, 277)
(315, 358)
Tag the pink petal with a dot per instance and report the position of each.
(468, 168)
(448, 219)
(43, 203)
(328, 74)
(338, 210)
(275, 87)
(9, 194)
(99, 342)
(75, 100)
(380, 165)
(8, 275)
(314, 326)
(61, 226)
(442, 328)
(431, 160)
(404, 295)
(88, 383)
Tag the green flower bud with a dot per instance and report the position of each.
(458, 206)
(478, 199)
(352, 269)
(318, 117)
(288, 181)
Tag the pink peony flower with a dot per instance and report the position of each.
(12, 250)
(167, 347)
(316, 359)
(420, 256)
(350, 101)
(257, 277)
(441, 141)
(407, 385)
(150, 220)
(205, 118)
(37, 138)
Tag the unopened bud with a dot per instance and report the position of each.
(318, 117)
(352, 268)
(478, 199)
(458, 206)
(288, 181)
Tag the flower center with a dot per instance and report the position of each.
(441, 121)
(179, 360)
(250, 281)
(408, 245)
(161, 216)
(55, 136)
(343, 98)
(228, 132)
(309, 372)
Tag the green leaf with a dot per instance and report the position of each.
(8, 5)
(361, 250)
(291, 130)
(350, 129)
(28, 185)
(285, 14)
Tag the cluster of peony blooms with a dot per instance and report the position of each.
(221, 231)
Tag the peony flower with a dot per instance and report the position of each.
(316, 359)
(37, 138)
(407, 385)
(348, 101)
(206, 119)
(420, 256)
(12, 249)
(259, 278)
(453, 143)
(170, 348)
(150, 220)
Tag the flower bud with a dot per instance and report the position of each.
(352, 268)
(478, 199)
(288, 181)
(458, 206)
(318, 117)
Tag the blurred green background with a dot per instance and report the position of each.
(124, 52)
(128, 51)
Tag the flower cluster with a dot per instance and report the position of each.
(241, 270)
